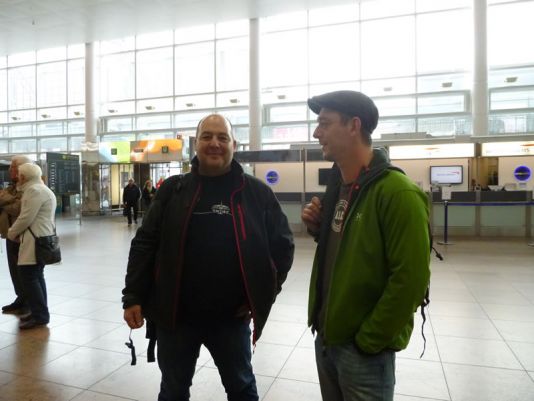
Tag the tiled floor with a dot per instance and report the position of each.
(480, 335)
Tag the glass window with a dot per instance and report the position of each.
(21, 88)
(154, 122)
(21, 115)
(117, 108)
(232, 64)
(510, 77)
(241, 135)
(75, 143)
(154, 73)
(76, 51)
(117, 77)
(155, 135)
(155, 39)
(513, 99)
(23, 146)
(236, 116)
(284, 59)
(395, 106)
(389, 87)
(52, 113)
(3, 119)
(19, 59)
(440, 48)
(453, 103)
(76, 127)
(53, 145)
(509, 26)
(324, 88)
(76, 81)
(76, 112)
(287, 113)
(194, 34)
(230, 29)
(394, 126)
(195, 68)
(284, 22)
(444, 82)
(325, 63)
(53, 54)
(51, 128)
(298, 133)
(436, 5)
(194, 102)
(119, 124)
(284, 95)
(444, 126)
(52, 84)
(333, 15)
(388, 55)
(386, 8)
(117, 45)
(3, 61)
(3, 89)
(155, 105)
(4, 146)
(229, 99)
(185, 120)
(117, 137)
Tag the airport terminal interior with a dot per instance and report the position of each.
(98, 92)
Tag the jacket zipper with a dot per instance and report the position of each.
(182, 247)
(241, 220)
(240, 255)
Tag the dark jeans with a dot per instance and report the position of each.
(129, 207)
(35, 290)
(347, 374)
(229, 345)
(12, 250)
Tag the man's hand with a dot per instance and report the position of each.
(134, 317)
(311, 215)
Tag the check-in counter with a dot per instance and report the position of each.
(484, 213)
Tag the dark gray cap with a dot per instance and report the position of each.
(351, 103)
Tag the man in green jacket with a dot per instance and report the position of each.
(371, 268)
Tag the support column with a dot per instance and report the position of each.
(91, 116)
(255, 120)
(480, 100)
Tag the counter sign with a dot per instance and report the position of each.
(272, 177)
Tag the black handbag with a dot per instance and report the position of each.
(47, 251)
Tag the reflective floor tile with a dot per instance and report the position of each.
(464, 327)
(524, 352)
(27, 389)
(420, 379)
(268, 359)
(81, 331)
(516, 331)
(285, 390)
(283, 333)
(92, 396)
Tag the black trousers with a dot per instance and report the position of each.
(12, 250)
(129, 207)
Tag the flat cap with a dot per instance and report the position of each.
(351, 103)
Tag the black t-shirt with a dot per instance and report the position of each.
(212, 285)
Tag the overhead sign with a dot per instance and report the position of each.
(508, 148)
(63, 173)
(449, 150)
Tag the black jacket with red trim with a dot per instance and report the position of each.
(264, 245)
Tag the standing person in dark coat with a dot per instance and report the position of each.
(130, 200)
(149, 191)
(212, 254)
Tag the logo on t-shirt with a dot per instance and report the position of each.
(339, 215)
(220, 209)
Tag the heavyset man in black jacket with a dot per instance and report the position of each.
(212, 253)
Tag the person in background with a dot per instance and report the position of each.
(149, 191)
(38, 207)
(130, 200)
(371, 267)
(10, 199)
(212, 253)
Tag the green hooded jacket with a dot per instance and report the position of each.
(381, 272)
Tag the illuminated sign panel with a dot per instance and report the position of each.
(508, 149)
(450, 150)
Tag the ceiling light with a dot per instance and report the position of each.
(388, 89)
(510, 80)
(234, 100)
(112, 111)
(446, 84)
(77, 113)
(281, 97)
(15, 118)
(45, 115)
(149, 107)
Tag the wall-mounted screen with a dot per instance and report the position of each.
(446, 174)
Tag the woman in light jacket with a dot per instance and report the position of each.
(38, 206)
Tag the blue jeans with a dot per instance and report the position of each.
(347, 374)
(32, 277)
(228, 343)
